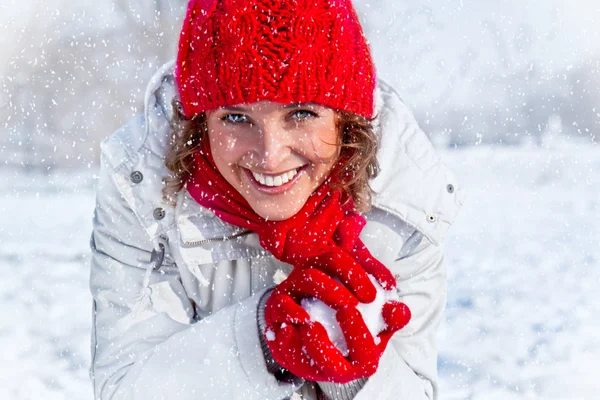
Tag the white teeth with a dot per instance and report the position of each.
(278, 180)
(259, 178)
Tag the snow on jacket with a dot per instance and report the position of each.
(188, 329)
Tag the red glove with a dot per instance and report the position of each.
(327, 246)
(350, 261)
(304, 348)
(284, 317)
(365, 352)
(339, 264)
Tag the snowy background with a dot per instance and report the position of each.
(508, 90)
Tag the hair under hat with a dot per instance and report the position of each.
(244, 51)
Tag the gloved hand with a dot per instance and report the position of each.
(324, 244)
(284, 317)
(303, 347)
(364, 350)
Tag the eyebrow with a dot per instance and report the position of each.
(287, 106)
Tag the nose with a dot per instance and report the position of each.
(273, 146)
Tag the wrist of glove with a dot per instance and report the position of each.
(304, 348)
(332, 391)
(344, 391)
(280, 373)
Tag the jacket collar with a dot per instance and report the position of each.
(414, 185)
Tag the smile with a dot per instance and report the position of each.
(275, 184)
(275, 180)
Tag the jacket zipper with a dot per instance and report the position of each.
(213, 240)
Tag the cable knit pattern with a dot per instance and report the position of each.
(243, 51)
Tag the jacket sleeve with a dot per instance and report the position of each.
(408, 367)
(145, 341)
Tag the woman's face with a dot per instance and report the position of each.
(274, 154)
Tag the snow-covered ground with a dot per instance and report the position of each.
(523, 317)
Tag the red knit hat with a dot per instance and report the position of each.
(243, 51)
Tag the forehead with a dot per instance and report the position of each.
(270, 106)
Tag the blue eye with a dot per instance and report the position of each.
(234, 118)
(304, 114)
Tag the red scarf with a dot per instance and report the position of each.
(326, 229)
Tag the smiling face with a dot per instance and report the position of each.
(275, 155)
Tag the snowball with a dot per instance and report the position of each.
(371, 313)
(320, 312)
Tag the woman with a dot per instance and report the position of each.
(215, 218)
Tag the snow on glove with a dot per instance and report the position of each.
(373, 324)
(284, 317)
(364, 350)
(303, 346)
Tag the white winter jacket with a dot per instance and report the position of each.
(185, 327)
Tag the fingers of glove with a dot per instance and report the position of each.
(281, 308)
(325, 355)
(290, 355)
(286, 348)
(374, 267)
(314, 283)
(343, 266)
(361, 343)
(396, 315)
(349, 230)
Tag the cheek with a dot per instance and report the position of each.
(226, 147)
(324, 145)
(222, 145)
(218, 149)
